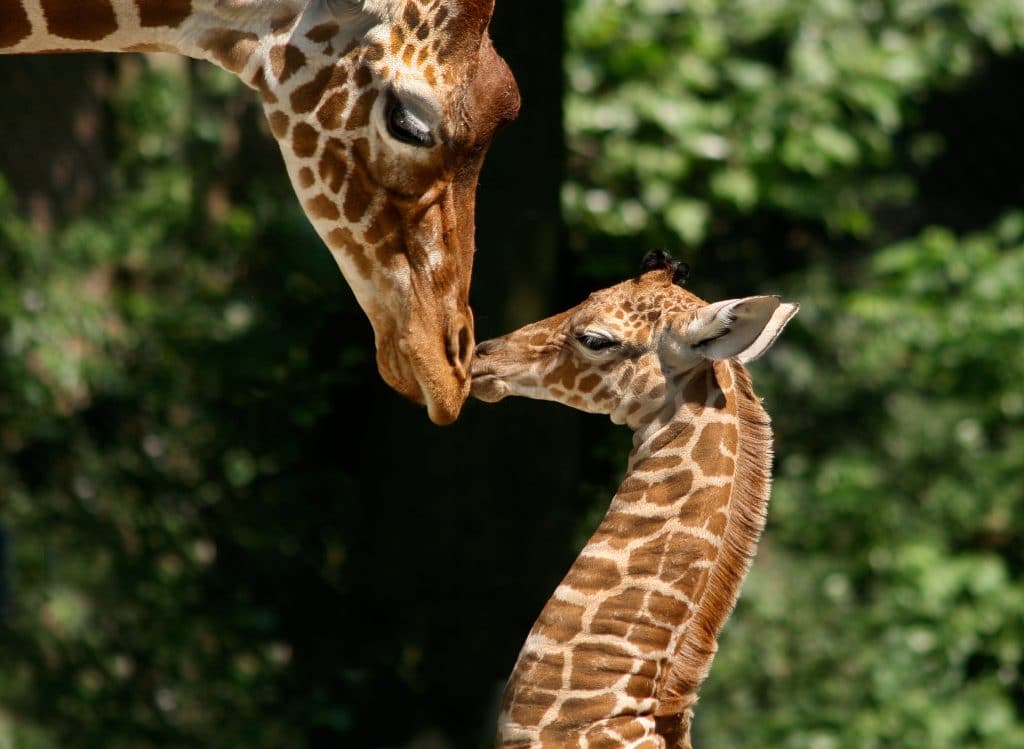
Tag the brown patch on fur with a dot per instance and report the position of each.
(659, 462)
(598, 665)
(374, 52)
(305, 139)
(386, 223)
(363, 76)
(560, 621)
(708, 450)
(170, 13)
(284, 22)
(564, 374)
(279, 123)
(359, 193)
(333, 167)
(150, 47)
(397, 40)
(359, 117)
(285, 60)
(530, 706)
(322, 32)
(430, 75)
(618, 529)
(16, 25)
(588, 383)
(259, 82)
(616, 614)
(592, 575)
(411, 16)
(332, 109)
(322, 207)
(85, 20)
(308, 95)
(232, 49)
(671, 490)
(586, 711)
(343, 239)
(306, 178)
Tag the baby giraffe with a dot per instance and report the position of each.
(619, 652)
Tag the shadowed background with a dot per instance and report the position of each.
(218, 528)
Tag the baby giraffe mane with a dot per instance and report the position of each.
(748, 510)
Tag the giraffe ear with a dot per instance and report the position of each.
(743, 328)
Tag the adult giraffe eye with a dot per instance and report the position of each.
(406, 126)
(595, 342)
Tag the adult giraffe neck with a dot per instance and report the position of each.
(620, 650)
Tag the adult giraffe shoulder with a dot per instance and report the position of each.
(384, 110)
(619, 652)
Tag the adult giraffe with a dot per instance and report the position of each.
(384, 110)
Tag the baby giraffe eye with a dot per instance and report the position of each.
(595, 342)
(405, 126)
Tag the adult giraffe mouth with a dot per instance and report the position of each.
(429, 367)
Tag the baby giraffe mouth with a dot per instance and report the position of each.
(486, 385)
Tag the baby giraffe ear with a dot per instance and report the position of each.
(744, 328)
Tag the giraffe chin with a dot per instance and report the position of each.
(488, 388)
(434, 385)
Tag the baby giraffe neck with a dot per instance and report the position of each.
(619, 652)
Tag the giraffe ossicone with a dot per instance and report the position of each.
(384, 111)
(618, 654)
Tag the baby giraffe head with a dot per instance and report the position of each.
(626, 350)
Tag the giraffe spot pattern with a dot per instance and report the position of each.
(171, 13)
(84, 20)
(306, 178)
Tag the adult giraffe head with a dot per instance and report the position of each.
(384, 110)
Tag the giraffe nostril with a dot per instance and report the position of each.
(460, 349)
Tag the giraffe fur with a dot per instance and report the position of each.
(618, 654)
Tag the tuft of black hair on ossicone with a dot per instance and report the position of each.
(661, 260)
